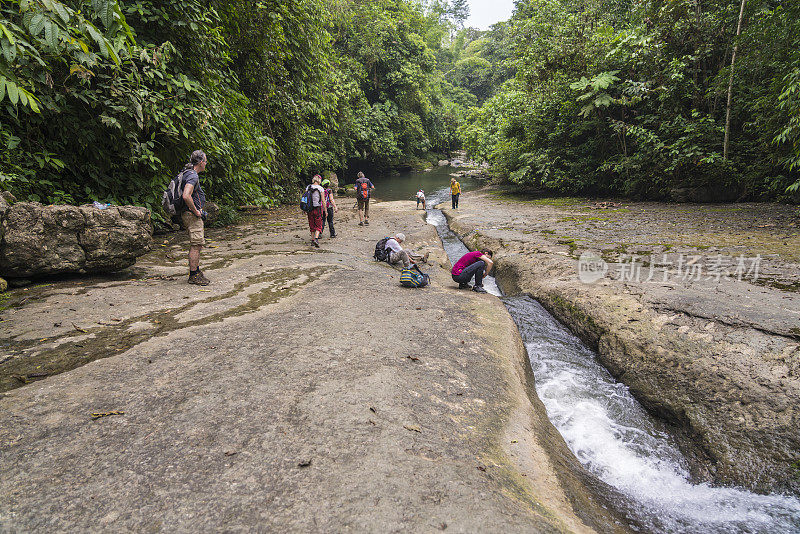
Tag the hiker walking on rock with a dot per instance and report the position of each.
(319, 208)
(455, 191)
(477, 264)
(326, 185)
(193, 217)
(364, 189)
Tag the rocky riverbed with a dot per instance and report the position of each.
(695, 307)
(304, 390)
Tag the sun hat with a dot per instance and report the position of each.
(400, 236)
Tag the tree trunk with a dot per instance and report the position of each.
(726, 143)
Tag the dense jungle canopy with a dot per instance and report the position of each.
(105, 99)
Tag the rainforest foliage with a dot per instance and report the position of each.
(105, 99)
(632, 97)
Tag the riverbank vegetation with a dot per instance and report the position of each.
(647, 98)
(104, 99)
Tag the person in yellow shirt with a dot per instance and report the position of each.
(455, 191)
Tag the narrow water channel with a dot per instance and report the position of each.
(611, 434)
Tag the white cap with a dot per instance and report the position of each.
(400, 237)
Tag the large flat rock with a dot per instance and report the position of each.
(304, 390)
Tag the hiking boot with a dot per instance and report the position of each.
(479, 289)
(464, 286)
(199, 279)
(361, 223)
(315, 243)
(366, 223)
(333, 235)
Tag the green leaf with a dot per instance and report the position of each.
(33, 104)
(7, 34)
(603, 100)
(13, 92)
(9, 51)
(105, 11)
(110, 121)
(62, 12)
(51, 34)
(37, 24)
(13, 142)
(111, 53)
(98, 38)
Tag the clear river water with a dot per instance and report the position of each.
(609, 432)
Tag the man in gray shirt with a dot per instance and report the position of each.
(193, 216)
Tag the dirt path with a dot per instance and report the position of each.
(304, 390)
(695, 307)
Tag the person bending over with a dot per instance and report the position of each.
(421, 198)
(477, 264)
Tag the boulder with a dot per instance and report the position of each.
(3, 285)
(42, 240)
(443, 163)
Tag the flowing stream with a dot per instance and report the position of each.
(608, 431)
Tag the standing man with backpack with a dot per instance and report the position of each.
(319, 209)
(193, 216)
(363, 192)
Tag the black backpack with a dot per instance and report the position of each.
(172, 198)
(381, 254)
(307, 200)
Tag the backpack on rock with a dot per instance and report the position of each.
(413, 277)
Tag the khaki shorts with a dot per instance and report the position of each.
(363, 204)
(194, 225)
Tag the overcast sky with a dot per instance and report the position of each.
(484, 13)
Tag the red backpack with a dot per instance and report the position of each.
(363, 192)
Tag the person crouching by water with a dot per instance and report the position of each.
(477, 264)
(194, 216)
(421, 198)
(398, 255)
(455, 191)
(326, 184)
(315, 216)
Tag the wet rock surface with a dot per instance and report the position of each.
(303, 390)
(715, 354)
(37, 240)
